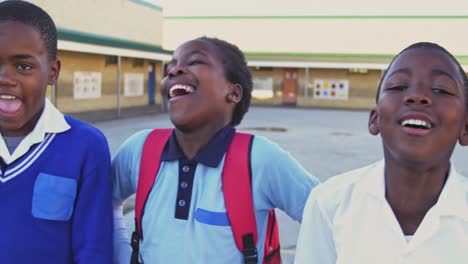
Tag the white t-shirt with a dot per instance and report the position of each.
(348, 220)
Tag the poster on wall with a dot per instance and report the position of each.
(262, 88)
(133, 84)
(331, 89)
(86, 85)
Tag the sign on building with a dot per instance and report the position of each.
(331, 89)
(134, 84)
(262, 88)
(86, 85)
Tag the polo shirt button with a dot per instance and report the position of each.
(185, 168)
(183, 185)
(181, 203)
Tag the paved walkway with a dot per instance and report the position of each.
(325, 142)
(114, 114)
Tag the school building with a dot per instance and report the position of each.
(113, 52)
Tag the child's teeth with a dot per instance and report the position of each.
(187, 89)
(416, 123)
(7, 97)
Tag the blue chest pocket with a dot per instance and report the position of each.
(53, 197)
(212, 218)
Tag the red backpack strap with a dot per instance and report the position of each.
(149, 167)
(238, 195)
(271, 252)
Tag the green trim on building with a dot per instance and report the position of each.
(314, 17)
(91, 38)
(319, 57)
(329, 57)
(150, 5)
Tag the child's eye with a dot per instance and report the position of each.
(397, 88)
(442, 91)
(195, 62)
(23, 67)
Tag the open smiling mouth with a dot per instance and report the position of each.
(9, 104)
(416, 123)
(180, 90)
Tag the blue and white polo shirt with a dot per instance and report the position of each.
(185, 217)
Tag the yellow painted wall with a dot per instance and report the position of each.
(83, 62)
(362, 87)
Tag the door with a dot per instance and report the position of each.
(289, 86)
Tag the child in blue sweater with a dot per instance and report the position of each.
(54, 175)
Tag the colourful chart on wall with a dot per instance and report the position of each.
(331, 89)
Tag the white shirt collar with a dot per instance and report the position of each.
(451, 202)
(373, 182)
(51, 121)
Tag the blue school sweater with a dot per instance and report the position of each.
(55, 200)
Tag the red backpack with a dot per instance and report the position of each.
(237, 189)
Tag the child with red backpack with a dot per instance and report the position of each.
(205, 193)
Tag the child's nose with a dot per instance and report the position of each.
(6, 76)
(175, 71)
(417, 95)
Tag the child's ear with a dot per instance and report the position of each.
(235, 93)
(54, 71)
(373, 125)
(463, 139)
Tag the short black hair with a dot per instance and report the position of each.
(237, 72)
(34, 16)
(429, 45)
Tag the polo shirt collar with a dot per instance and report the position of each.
(210, 155)
(452, 200)
(50, 121)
